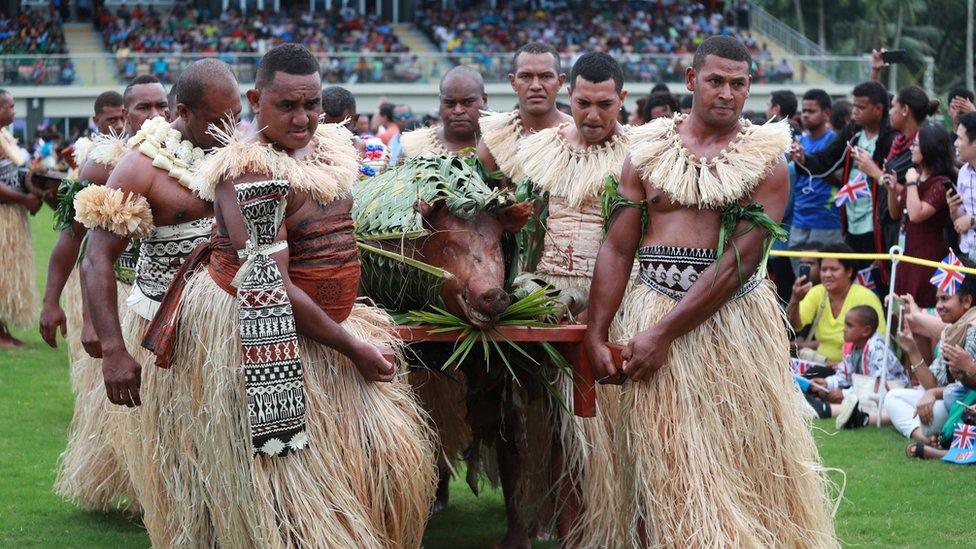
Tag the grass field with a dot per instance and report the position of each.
(889, 501)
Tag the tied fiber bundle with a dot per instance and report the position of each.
(443, 397)
(713, 449)
(90, 473)
(18, 293)
(74, 317)
(367, 478)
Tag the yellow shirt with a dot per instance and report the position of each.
(830, 329)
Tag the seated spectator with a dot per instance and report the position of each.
(921, 412)
(825, 306)
(962, 201)
(923, 196)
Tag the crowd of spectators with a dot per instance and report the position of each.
(653, 41)
(898, 171)
(35, 34)
(145, 40)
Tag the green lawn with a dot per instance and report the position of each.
(889, 500)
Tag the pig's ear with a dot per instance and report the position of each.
(422, 207)
(513, 217)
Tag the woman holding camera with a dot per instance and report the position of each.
(923, 197)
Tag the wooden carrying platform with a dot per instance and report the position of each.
(567, 339)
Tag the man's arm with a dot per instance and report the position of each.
(310, 319)
(648, 350)
(822, 160)
(612, 273)
(122, 374)
(63, 258)
(488, 161)
(10, 195)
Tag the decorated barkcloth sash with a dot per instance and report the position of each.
(671, 271)
(11, 159)
(269, 340)
(573, 181)
(501, 132)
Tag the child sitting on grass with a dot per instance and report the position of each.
(859, 373)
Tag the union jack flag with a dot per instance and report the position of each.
(800, 366)
(850, 193)
(947, 280)
(865, 277)
(963, 436)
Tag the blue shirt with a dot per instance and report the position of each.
(788, 212)
(813, 199)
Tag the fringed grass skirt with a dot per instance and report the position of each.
(443, 396)
(713, 449)
(90, 472)
(18, 285)
(73, 312)
(155, 446)
(368, 476)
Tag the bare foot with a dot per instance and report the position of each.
(514, 540)
(8, 341)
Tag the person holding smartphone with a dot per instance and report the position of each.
(923, 197)
(962, 198)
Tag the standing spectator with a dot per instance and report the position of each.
(871, 133)
(909, 110)
(781, 106)
(815, 216)
(840, 114)
(962, 202)
(923, 197)
(659, 105)
(824, 306)
(384, 124)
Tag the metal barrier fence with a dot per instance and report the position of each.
(352, 68)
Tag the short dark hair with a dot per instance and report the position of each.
(866, 315)
(337, 100)
(875, 92)
(725, 47)
(107, 100)
(786, 101)
(536, 48)
(968, 286)
(660, 87)
(288, 58)
(597, 67)
(819, 96)
(658, 100)
(840, 113)
(386, 110)
(968, 121)
(935, 146)
(840, 248)
(686, 101)
(140, 80)
(193, 81)
(960, 92)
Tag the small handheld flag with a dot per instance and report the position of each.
(947, 280)
(850, 193)
(865, 277)
(963, 436)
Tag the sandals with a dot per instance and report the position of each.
(916, 450)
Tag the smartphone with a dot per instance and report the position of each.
(804, 270)
(898, 312)
(950, 185)
(895, 56)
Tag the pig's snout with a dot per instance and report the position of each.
(492, 302)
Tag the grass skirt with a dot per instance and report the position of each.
(157, 451)
(74, 315)
(18, 286)
(89, 470)
(443, 396)
(367, 478)
(713, 449)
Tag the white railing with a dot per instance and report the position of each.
(353, 68)
(782, 34)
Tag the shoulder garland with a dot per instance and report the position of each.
(108, 149)
(559, 169)
(327, 172)
(169, 151)
(10, 149)
(657, 152)
(109, 209)
(501, 132)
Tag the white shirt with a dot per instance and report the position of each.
(966, 187)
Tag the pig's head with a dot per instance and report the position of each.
(471, 250)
